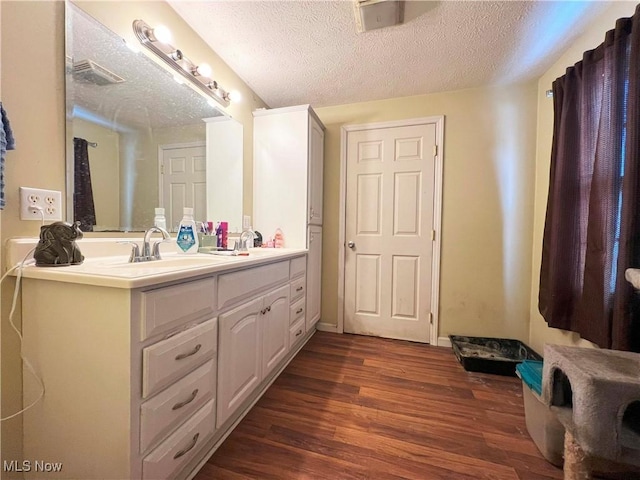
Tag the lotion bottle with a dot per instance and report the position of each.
(187, 239)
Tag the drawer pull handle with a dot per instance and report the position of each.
(185, 450)
(299, 333)
(179, 405)
(192, 352)
(299, 310)
(299, 289)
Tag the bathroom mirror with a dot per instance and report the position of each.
(138, 139)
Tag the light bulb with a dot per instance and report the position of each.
(203, 69)
(162, 34)
(235, 96)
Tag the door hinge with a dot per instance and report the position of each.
(430, 318)
(162, 169)
(435, 150)
(433, 235)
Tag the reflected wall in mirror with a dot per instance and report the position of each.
(145, 137)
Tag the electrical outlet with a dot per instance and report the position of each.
(50, 201)
(246, 222)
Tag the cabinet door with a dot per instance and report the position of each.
(239, 357)
(275, 329)
(314, 276)
(316, 166)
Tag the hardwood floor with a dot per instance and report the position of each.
(353, 407)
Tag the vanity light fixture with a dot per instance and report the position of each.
(157, 40)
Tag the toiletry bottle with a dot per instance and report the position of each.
(159, 220)
(187, 239)
(224, 226)
(278, 239)
(219, 235)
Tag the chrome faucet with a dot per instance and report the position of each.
(245, 237)
(148, 253)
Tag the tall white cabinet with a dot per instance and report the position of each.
(288, 155)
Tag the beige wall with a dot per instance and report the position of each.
(487, 217)
(539, 332)
(32, 79)
(33, 94)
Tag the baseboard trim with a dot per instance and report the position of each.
(444, 342)
(327, 327)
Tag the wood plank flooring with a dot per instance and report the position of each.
(354, 407)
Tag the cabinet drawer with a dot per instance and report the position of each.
(181, 446)
(169, 408)
(167, 308)
(296, 332)
(236, 286)
(298, 266)
(298, 288)
(166, 361)
(297, 311)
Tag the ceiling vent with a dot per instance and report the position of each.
(90, 72)
(373, 14)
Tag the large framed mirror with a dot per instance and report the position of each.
(138, 139)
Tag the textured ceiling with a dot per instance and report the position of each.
(296, 52)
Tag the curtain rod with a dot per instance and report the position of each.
(92, 144)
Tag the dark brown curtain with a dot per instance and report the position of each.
(83, 207)
(592, 227)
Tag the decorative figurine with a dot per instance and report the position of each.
(57, 246)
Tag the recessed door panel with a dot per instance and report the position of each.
(369, 204)
(368, 284)
(407, 203)
(404, 300)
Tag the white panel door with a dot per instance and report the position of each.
(389, 223)
(184, 175)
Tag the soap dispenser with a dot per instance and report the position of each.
(187, 239)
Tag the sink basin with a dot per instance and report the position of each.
(169, 262)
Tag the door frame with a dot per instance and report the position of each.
(437, 213)
(161, 150)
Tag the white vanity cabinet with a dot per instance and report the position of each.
(314, 277)
(146, 382)
(130, 376)
(254, 338)
(255, 334)
(288, 156)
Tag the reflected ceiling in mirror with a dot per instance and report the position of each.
(129, 107)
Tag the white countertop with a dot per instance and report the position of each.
(114, 270)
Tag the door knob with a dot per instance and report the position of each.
(351, 245)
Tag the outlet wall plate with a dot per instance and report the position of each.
(50, 201)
